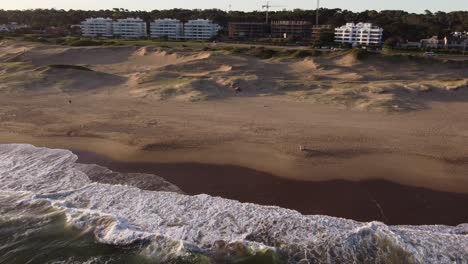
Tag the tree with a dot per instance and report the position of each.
(324, 37)
(392, 42)
(408, 26)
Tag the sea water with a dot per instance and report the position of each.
(51, 212)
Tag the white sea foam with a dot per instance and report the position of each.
(173, 224)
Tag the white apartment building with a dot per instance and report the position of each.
(96, 27)
(170, 28)
(361, 33)
(129, 28)
(200, 29)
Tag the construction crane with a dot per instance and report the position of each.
(317, 15)
(267, 8)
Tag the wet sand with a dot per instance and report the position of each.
(361, 200)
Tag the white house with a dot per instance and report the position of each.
(96, 27)
(4, 28)
(200, 29)
(170, 28)
(361, 33)
(11, 27)
(129, 28)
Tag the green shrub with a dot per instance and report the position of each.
(360, 54)
(85, 42)
(239, 50)
(60, 41)
(306, 53)
(35, 38)
(262, 53)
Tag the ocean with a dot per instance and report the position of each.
(51, 212)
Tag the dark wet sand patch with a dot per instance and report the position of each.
(363, 201)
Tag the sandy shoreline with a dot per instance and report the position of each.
(374, 200)
(410, 170)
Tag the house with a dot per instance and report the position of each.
(129, 28)
(4, 28)
(167, 28)
(458, 40)
(359, 34)
(433, 42)
(11, 27)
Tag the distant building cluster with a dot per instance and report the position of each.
(359, 34)
(456, 40)
(11, 27)
(203, 29)
(303, 30)
(199, 29)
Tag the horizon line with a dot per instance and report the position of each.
(227, 11)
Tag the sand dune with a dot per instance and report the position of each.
(346, 60)
(342, 78)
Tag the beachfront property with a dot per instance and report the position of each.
(247, 30)
(106, 27)
(454, 41)
(433, 42)
(4, 28)
(129, 28)
(200, 29)
(172, 29)
(360, 33)
(11, 27)
(288, 29)
(97, 27)
(277, 29)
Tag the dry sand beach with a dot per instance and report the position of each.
(394, 118)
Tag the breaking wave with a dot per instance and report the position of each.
(166, 225)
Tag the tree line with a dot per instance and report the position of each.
(396, 23)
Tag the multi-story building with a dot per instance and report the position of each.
(361, 33)
(287, 29)
(129, 28)
(96, 27)
(200, 29)
(167, 28)
(247, 30)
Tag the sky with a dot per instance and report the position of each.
(417, 6)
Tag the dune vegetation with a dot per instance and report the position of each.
(353, 79)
